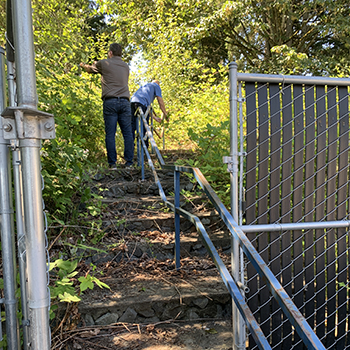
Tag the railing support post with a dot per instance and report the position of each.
(238, 322)
(177, 218)
(138, 141)
(142, 153)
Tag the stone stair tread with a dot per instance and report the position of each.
(151, 299)
(155, 204)
(134, 198)
(122, 188)
(144, 215)
(149, 198)
(140, 219)
(141, 289)
(160, 228)
(167, 241)
(135, 174)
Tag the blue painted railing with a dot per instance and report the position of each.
(298, 321)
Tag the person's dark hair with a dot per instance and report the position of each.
(116, 49)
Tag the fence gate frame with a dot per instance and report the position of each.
(271, 106)
(22, 129)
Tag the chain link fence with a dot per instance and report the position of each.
(295, 169)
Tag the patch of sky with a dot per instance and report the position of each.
(138, 67)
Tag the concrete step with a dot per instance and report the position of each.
(141, 299)
(119, 183)
(140, 220)
(192, 203)
(153, 245)
(133, 174)
(121, 189)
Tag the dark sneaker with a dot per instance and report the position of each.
(112, 167)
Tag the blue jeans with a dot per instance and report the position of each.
(117, 111)
(134, 106)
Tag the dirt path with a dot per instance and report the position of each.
(175, 335)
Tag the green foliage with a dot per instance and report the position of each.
(213, 143)
(206, 122)
(253, 33)
(66, 287)
(73, 99)
(63, 174)
(88, 281)
(58, 28)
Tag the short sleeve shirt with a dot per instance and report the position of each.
(146, 94)
(114, 77)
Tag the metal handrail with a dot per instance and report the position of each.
(229, 282)
(285, 302)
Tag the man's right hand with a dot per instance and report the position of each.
(86, 67)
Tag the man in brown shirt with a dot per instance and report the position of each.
(116, 106)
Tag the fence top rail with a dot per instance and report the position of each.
(292, 79)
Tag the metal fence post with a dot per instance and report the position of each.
(238, 323)
(21, 248)
(7, 229)
(26, 123)
(17, 180)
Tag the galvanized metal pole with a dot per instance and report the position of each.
(238, 323)
(10, 53)
(241, 193)
(21, 244)
(17, 180)
(21, 248)
(7, 228)
(30, 126)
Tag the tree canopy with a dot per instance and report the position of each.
(186, 45)
(262, 36)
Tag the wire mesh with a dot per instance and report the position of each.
(296, 169)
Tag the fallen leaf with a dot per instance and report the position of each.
(89, 334)
(212, 331)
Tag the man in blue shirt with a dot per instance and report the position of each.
(144, 97)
